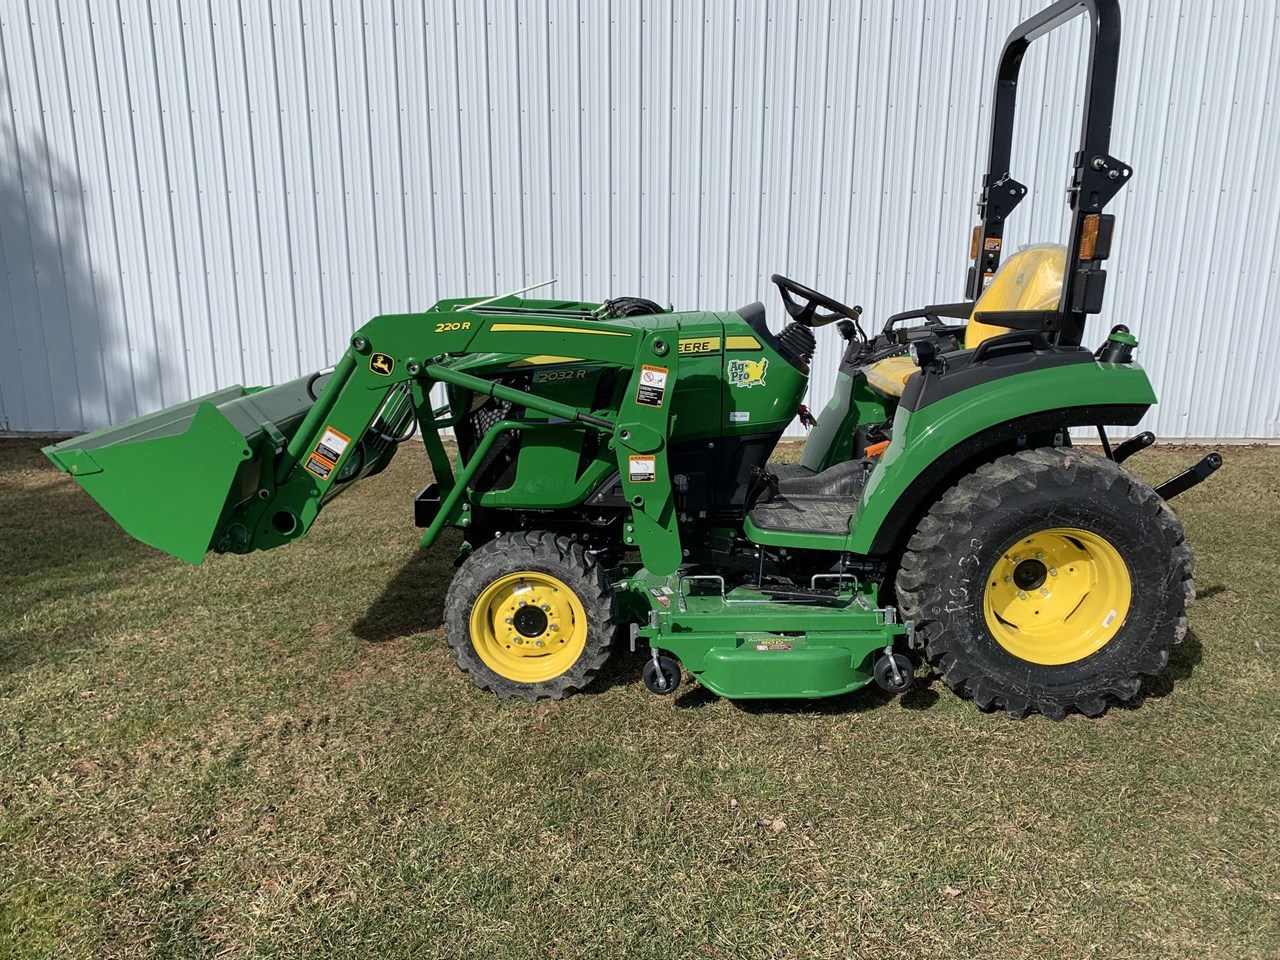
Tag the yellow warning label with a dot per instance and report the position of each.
(642, 469)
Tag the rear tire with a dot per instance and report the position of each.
(531, 615)
(1009, 629)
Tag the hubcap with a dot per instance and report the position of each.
(530, 622)
(1030, 575)
(528, 626)
(1057, 596)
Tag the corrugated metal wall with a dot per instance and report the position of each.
(199, 193)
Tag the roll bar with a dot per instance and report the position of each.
(1097, 176)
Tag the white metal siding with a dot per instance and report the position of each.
(201, 193)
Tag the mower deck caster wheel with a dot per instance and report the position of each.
(661, 675)
(892, 680)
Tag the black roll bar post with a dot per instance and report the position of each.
(1096, 178)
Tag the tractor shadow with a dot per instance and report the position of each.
(51, 531)
(1183, 660)
(59, 551)
(920, 697)
(413, 600)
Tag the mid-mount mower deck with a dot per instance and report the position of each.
(613, 485)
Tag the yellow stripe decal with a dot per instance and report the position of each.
(696, 345)
(542, 359)
(543, 328)
(741, 343)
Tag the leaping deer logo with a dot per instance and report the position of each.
(381, 364)
(748, 373)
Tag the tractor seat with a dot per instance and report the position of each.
(1031, 279)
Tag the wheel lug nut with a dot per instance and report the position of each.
(555, 626)
(1006, 580)
(538, 643)
(522, 603)
(545, 608)
(1053, 571)
(1039, 554)
(1044, 591)
(508, 619)
(1022, 595)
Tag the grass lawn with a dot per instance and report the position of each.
(274, 755)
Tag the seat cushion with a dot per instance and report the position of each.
(888, 376)
(1031, 279)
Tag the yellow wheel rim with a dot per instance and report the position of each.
(1057, 596)
(528, 627)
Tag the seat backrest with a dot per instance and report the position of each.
(1031, 279)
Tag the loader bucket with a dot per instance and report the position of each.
(171, 478)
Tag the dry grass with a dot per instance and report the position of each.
(274, 756)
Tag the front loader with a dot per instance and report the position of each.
(613, 488)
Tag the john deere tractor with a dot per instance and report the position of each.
(613, 486)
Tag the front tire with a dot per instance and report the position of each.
(1048, 581)
(531, 615)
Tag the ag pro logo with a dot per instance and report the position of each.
(747, 373)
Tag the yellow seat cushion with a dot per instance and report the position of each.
(890, 375)
(1031, 279)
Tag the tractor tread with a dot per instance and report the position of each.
(927, 583)
(537, 550)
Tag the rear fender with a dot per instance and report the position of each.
(933, 445)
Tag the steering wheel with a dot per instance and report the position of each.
(807, 312)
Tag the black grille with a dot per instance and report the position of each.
(487, 416)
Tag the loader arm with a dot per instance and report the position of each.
(245, 470)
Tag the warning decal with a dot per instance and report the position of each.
(642, 469)
(327, 453)
(662, 595)
(319, 466)
(653, 386)
(332, 445)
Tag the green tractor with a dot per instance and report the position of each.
(613, 485)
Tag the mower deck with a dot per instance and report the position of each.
(750, 643)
